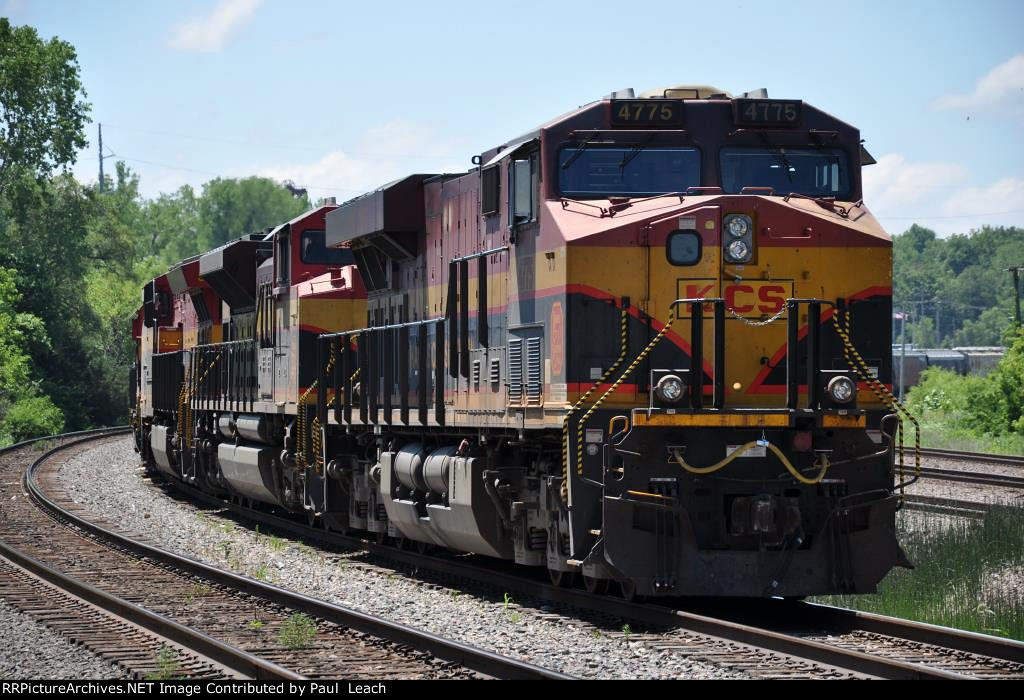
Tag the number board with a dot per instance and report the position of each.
(767, 112)
(651, 112)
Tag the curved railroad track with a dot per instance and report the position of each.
(132, 602)
(767, 638)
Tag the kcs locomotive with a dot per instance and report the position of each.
(647, 343)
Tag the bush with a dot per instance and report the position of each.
(31, 417)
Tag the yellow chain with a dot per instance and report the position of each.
(629, 370)
(623, 347)
(301, 460)
(883, 394)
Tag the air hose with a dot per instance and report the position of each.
(823, 468)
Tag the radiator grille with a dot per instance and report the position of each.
(534, 375)
(515, 371)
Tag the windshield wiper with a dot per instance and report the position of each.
(781, 153)
(579, 150)
(634, 152)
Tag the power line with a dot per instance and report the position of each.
(276, 146)
(213, 174)
(957, 216)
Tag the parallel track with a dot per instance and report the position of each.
(831, 639)
(133, 581)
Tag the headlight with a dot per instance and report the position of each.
(670, 388)
(841, 389)
(738, 226)
(738, 251)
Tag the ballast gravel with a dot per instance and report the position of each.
(31, 651)
(109, 481)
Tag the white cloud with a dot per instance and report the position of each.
(1001, 91)
(1005, 195)
(384, 153)
(939, 196)
(10, 8)
(213, 32)
(893, 183)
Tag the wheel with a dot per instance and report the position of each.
(405, 544)
(627, 589)
(424, 547)
(597, 586)
(382, 537)
(311, 518)
(562, 579)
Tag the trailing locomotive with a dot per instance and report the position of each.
(647, 343)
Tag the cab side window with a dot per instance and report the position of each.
(524, 179)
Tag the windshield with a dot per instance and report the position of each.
(816, 172)
(601, 171)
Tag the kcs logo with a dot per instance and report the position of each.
(751, 298)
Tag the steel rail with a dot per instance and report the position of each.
(992, 458)
(232, 658)
(470, 657)
(980, 478)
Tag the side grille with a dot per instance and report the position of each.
(515, 370)
(534, 377)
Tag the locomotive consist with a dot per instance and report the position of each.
(647, 343)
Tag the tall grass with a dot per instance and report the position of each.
(968, 574)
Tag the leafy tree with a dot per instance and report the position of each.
(42, 107)
(31, 417)
(23, 413)
(229, 208)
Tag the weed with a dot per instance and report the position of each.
(596, 634)
(276, 543)
(199, 590)
(262, 573)
(167, 666)
(960, 564)
(297, 632)
(455, 595)
(227, 527)
(226, 546)
(255, 625)
(511, 615)
(626, 631)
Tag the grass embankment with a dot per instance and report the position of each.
(974, 413)
(969, 574)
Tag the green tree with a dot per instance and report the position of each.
(42, 108)
(23, 413)
(229, 208)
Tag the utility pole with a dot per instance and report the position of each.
(1015, 271)
(101, 157)
(103, 184)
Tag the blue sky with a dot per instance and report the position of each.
(340, 97)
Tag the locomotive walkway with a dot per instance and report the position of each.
(152, 611)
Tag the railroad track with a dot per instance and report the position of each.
(769, 639)
(1008, 460)
(151, 610)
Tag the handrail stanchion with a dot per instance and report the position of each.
(719, 387)
(792, 351)
(813, 353)
(697, 354)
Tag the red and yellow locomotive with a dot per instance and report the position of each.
(502, 361)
